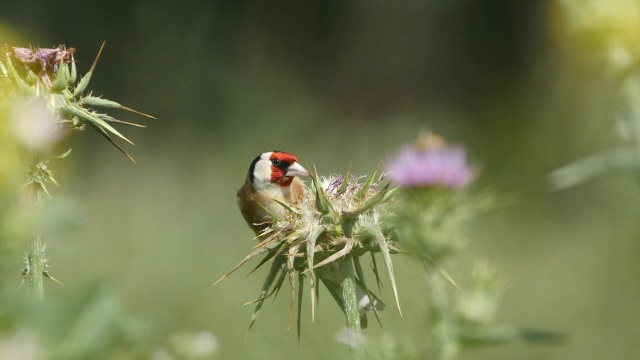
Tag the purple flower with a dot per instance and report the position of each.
(44, 59)
(431, 166)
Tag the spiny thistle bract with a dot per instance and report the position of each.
(341, 218)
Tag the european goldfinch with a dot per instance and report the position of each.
(272, 175)
(275, 175)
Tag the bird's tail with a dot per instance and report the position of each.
(366, 301)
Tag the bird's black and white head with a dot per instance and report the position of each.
(275, 168)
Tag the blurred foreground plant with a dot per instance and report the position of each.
(432, 212)
(611, 31)
(41, 100)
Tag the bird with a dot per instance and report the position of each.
(275, 175)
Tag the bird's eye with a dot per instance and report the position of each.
(275, 162)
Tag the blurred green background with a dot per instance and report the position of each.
(340, 83)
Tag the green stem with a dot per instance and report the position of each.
(442, 322)
(36, 258)
(351, 309)
(35, 264)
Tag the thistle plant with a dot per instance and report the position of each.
(340, 220)
(433, 209)
(432, 177)
(42, 100)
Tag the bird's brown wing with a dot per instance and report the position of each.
(248, 202)
(254, 214)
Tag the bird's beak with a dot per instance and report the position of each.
(296, 169)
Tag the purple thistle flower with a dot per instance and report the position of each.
(431, 166)
(44, 59)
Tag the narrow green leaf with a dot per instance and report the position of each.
(359, 195)
(338, 254)
(275, 268)
(426, 263)
(371, 202)
(23, 88)
(300, 290)
(311, 245)
(82, 85)
(507, 334)
(287, 206)
(374, 268)
(61, 156)
(31, 78)
(322, 204)
(272, 255)
(100, 102)
(62, 78)
(275, 289)
(84, 82)
(4, 70)
(585, 169)
(253, 254)
(541, 336)
(93, 119)
(386, 256)
(343, 187)
(108, 118)
(278, 286)
(74, 72)
(293, 251)
(105, 135)
(390, 193)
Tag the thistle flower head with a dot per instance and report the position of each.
(340, 217)
(339, 208)
(43, 60)
(431, 163)
(430, 219)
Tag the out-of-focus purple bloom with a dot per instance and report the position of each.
(431, 166)
(44, 59)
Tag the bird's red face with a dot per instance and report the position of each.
(275, 168)
(281, 164)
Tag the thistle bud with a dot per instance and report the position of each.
(430, 175)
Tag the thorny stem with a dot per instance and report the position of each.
(351, 310)
(35, 266)
(442, 321)
(36, 258)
